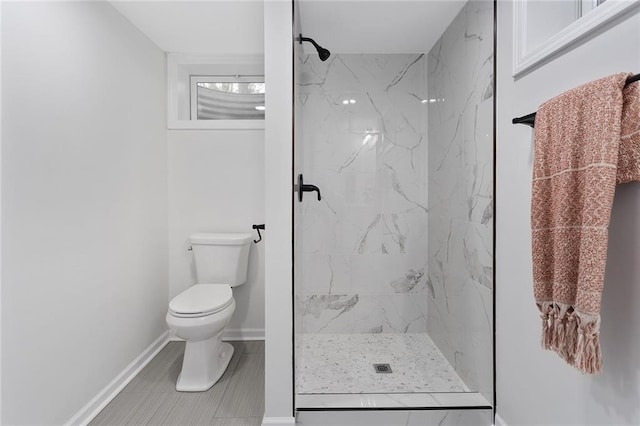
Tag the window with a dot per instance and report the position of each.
(227, 98)
(544, 29)
(215, 92)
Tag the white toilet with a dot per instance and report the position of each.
(200, 313)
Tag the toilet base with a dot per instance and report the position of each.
(204, 362)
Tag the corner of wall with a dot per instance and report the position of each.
(278, 184)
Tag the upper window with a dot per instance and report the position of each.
(545, 29)
(215, 92)
(227, 98)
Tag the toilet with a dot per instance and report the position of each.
(200, 313)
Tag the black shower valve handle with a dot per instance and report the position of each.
(303, 187)
(310, 188)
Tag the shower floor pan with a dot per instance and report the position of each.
(338, 371)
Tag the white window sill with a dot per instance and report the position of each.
(216, 125)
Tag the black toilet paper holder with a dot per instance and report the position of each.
(258, 228)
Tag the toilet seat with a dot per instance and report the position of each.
(201, 300)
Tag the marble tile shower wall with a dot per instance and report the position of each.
(364, 246)
(460, 306)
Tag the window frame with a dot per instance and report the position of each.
(195, 79)
(590, 23)
(181, 66)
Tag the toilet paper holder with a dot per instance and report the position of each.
(258, 228)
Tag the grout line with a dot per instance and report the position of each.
(240, 355)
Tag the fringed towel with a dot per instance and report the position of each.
(586, 141)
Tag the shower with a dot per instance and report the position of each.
(322, 52)
(393, 264)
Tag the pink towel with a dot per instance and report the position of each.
(586, 141)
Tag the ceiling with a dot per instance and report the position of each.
(215, 27)
(376, 26)
(236, 27)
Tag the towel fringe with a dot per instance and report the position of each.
(573, 335)
(545, 314)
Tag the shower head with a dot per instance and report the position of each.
(322, 52)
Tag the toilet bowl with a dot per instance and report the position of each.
(201, 312)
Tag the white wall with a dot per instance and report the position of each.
(84, 195)
(1, 215)
(216, 184)
(278, 204)
(536, 387)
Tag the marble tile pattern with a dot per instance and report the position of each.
(363, 248)
(460, 180)
(343, 363)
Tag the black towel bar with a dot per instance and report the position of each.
(530, 119)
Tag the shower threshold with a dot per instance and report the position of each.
(392, 401)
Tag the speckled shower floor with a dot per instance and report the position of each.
(343, 363)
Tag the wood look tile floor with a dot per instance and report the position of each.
(151, 398)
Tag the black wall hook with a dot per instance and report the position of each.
(258, 228)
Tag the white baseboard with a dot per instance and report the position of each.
(106, 395)
(243, 334)
(279, 421)
(499, 421)
(233, 335)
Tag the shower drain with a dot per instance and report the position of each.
(382, 368)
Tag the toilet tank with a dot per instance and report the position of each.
(221, 258)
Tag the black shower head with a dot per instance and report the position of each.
(322, 52)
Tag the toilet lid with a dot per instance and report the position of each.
(202, 299)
